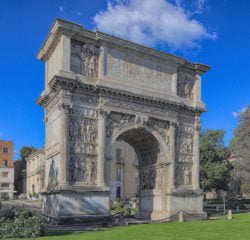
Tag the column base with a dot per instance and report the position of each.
(85, 220)
(75, 206)
(189, 201)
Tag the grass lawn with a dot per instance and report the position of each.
(238, 228)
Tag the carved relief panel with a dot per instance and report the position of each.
(83, 145)
(53, 172)
(84, 59)
(151, 178)
(185, 85)
(184, 143)
(183, 175)
(136, 69)
(118, 120)
(184, 148)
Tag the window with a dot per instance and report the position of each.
(118, 174)
(118, 155)
(5, 174)
(4, 196)
(5, 150)
(118, 193)
(5, 163)
(5, 185)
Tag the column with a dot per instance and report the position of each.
(197, 89)
(196, 152)
(172, 155)
(66, 45)
(101, 147)
(175, 82)
(63, 171)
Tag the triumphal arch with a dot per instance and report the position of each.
(99, 89)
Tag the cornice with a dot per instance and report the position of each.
(59, 82)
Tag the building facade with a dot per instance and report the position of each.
(20, 177)
(124, 174)
(35, 174)
(6, 170)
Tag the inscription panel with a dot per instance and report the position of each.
(139, 70)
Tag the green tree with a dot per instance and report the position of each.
(26, 151)
(214, 166)
(240, 147)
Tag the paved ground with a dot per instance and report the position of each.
(34, 205)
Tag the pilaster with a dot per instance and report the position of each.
(101, 147)
(172, 129)
(64, 171)
(196, 168)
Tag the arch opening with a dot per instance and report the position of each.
(145, 171)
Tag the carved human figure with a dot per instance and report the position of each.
(187, 176)
(87, 173)
(53, 175)
(90, 149)
(92, 172)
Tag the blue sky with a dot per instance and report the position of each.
(213, 32)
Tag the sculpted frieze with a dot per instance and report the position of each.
(184, 143)
(120, 120)
(159, 126)
(151, 177)
(84, 99)
(140, 108)
(84, 59)
(135, 69)
(185, 85)
(186, 118)
(83, 168)
(117, 120)
(83, 130)
(83, 112)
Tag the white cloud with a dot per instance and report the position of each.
(78, 13)
(153, 22)
(200, 4)
(236, 114)
(61, 9)
(70, 11)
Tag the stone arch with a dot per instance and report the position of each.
(163, 143)
(153, 154)
(116, 86)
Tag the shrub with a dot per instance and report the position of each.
(35, 195)
(19, 223)
(119, 204)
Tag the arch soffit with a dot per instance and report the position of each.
(162, 143)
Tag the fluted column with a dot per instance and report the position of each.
(196, 150)
(101, 147)
(172, 129)
(63, 166)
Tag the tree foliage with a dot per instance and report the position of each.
(26, 151)
(214, 167)
(240, 147)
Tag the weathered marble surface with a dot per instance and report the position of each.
(99, 89)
